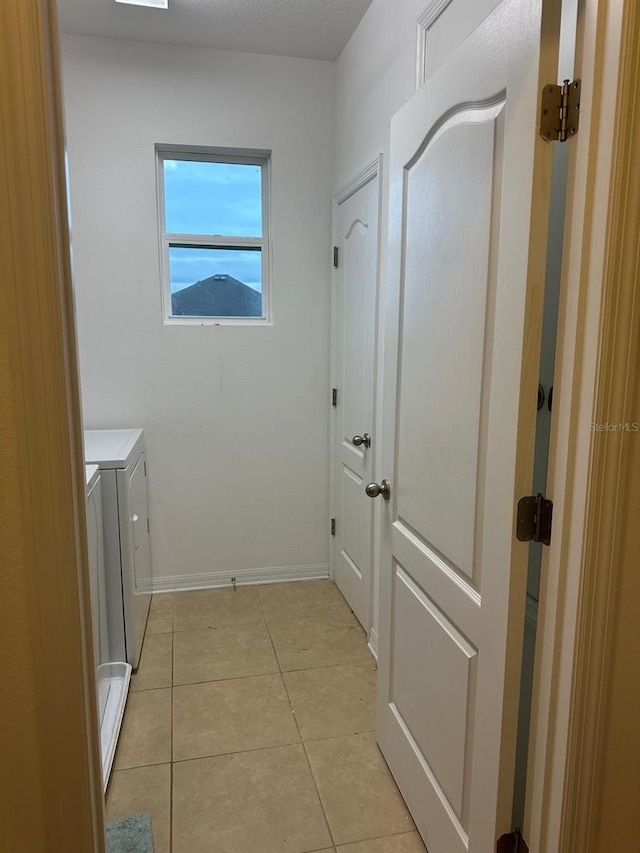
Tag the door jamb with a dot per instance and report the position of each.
(596, 324)
(615, 400)
(42, 462)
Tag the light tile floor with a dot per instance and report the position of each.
(250, 728)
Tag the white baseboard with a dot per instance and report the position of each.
(211, 580)
(372, 645)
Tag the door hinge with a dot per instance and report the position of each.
(335, 256)
(512, 842)
(560, 111)
(145, 468)
(334, 397)
(535, 513)
(333, 527)
(148, 527)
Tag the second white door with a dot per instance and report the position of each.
(355, 322)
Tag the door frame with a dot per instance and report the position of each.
(373, 169)
(594, 379)
(55, 788)
(595, 692)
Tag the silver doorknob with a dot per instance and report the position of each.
(384, 489)
(362, 439)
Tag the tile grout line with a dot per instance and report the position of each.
(313, 778)
(220, 680)
(256, 675)
(131, 694)
(278, 671)
(315, 785)
(334, 666)
(273, 645)
(216, 627)
(135, 689)
(236, 752)
(246, 751)
(391, 835)
(142, 766)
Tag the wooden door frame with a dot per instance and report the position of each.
(45, 577)
(595, 377)
(369, 172)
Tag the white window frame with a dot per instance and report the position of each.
(214, 241)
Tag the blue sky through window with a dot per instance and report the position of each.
(212, 198)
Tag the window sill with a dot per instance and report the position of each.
(217, 321)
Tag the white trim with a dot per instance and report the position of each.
(213, 154)
(333, 384)
(207, 241)
(432, 12)
(426, 20)
(211, 580)
(216, 321)
(372, 645)
(366, 174)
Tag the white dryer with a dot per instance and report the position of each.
(119, 454)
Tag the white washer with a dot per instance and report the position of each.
(119, 453)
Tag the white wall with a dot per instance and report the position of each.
(378, 69)
(235, 418)
(376, 74)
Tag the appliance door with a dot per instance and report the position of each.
(136, 554)
(97, 578)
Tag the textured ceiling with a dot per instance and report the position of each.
(313, 29)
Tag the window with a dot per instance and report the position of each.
(213, 221)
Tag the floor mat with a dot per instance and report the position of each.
(130, 834)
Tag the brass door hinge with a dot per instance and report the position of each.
(535, 514)
(560, 111)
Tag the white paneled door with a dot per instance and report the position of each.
(355, 322)
(469, 183)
